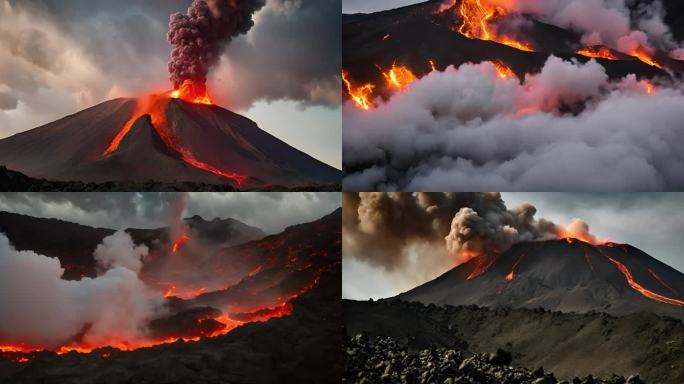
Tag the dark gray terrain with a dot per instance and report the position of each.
(568, 345)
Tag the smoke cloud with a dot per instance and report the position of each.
(389, 230)
(40, 309)
(199, 36)
(617, 23)
(567, 128)
(118, 250)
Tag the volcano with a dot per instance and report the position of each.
(164, 139)
(567, 275)
(429, 36)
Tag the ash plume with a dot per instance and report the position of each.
(199, 36)
(39, 309)
(384, 229)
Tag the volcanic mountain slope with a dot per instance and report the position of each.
(73, 244)
(416, 35)
(303, 347)
(291, 280)
(563, 275)
(161, 139)
(567, 345)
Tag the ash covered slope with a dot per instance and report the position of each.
(416, 34)
(71, 149)
(568, 345)
(74, 244)
(563, 276)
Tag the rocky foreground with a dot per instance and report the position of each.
(385, 360)
(13, 181)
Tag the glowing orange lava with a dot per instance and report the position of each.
(155, 107)
(599, 53)
(661, 281)
(192, 92)
(475, 17)
(503, 70)
(511, 274)
(483, 264)
(360, 95)
(643, 55)
(650, 88)
(180, 241)
(399, 77)
(385, 37)
(640, 288)
(433, 67)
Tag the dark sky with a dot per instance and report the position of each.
(271, 212)
(59, 57)
(651, 222)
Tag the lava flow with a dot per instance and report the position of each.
(180, 241)
(155, 107)
(361, 95)
(475, 16)
(503, 70)
(641, 54)
(511, 274)
(399, 77)
(599, 53)
(638, 287)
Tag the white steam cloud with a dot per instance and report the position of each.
(39, 309)
(567, 128)
(118, 250)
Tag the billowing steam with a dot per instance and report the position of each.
(199, 36)
(565, 128)
(39, 309)
(118, 250)
(386, 229)
(615, 23)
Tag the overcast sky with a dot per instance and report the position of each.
(271, 212)
(652, 222)
(58, 57)
(368, 6)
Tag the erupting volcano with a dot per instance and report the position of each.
(569, 275)
(174, 136)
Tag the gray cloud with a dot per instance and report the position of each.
(365, 6)
(271, 212)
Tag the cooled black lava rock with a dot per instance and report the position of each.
(386, 360)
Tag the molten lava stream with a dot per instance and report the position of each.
(362, 96)
(475, 16)
(398, 77)
(483, 264)
(601, 53)
(502, 69)
(192, 92)
(645, 57)
(180, 241)
(154, 106)
(640, 288)
(511, 274)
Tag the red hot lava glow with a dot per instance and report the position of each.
(193, 92)
(180, 241)
(155, 107)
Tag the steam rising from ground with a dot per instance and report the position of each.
(118, 250)
(566, 128)
(390, 230)
(38, 308)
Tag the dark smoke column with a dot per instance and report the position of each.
(199, 37)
